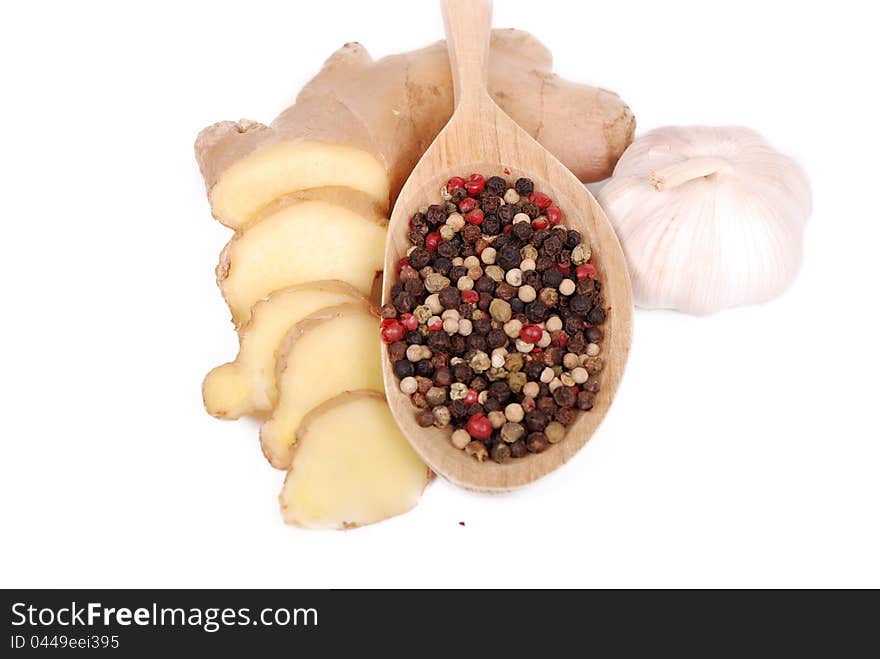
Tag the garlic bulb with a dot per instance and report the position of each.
(709, 218)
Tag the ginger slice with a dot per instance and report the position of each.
(247, 385)
(351, 466)
(280, 168)
(327, 353)
(308, 240)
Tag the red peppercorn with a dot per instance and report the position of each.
(540, 200)
(540, 223)
(478, 427)
(585, 270)
(536, 353)
(474, 217)
(475, 185)
(403, 263)
(393, 333)
(531, 333)
(507, 228)
(454, 182)
(576, 389)
(467, 204)
(470, 397)
(432, 240)
(409, 321)
(560, 338)
(554, 214)
(436, 326)
(470, 297)
(388, 322)
(564, 269)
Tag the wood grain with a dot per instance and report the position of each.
(481, 138)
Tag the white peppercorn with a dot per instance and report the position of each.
(460, 438)
(470, 262)
(567, 287)
(511, 196)
(527, 264)
(547, 375)
(494, 272)
(465, 283)
(457, 390)
(579, 375)
(554, 384)
(522, 346)
(531, 389)
(456, 221)
(567, 379)
(592, 349)
(450, 325)
(433, 304)
(514, 412)
(571, 360)
(457, 261)
(521, 217)
(498, 355)
(527, 294)
(512, 328)
(447, 232)
(465, 327)
(528, 252)
(414, 353)
(496, 418)
(514, 277)
(409, 385)
(450, 313)
(483, 396)
(488, 256)
(553, 324)
(545, 339)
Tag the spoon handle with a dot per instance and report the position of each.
(468, 27)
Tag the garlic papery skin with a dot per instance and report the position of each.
(709, 218)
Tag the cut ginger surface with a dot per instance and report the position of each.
(331, 351)
(351, 466)
(305, 241)
(247, 385)
(270, 172)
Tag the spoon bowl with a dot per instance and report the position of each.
(481, 138)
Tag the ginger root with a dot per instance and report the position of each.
(380, 116)
(351, 466)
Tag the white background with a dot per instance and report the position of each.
(742, 450)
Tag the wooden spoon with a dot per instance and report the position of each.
(481, 138)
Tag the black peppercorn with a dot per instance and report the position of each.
(572, 239)
(552, 246)
(573, 324)
(425, 418)
(517, 305)
(536, 311)
(492, 405)
(450, 297)
(447, 249)
(552, 278)
(546, 405)
(457, 194)
(536, 420)
(482, 326)
(500, 452)
(532, 278)
(537, 443)
(491, 225)
(442, 265)
(397, 351)
(579, 304)
(522, 230)
(577, 343)
(506, 213)
(404, 302)
(476, 342)
(564, 396)
(594, 334)
(496, 339)
(518, 449)
(462, 373)
(415, 287)
(496, 185)
(404, 369)
(596, 316)
(508, 257)
(457, 344)
(438, 341)
(479, 383)
(500, 391)
(424, 368)
(531, 210)
(458, 409)
(539, 237)
(436, 215)
(544, 264)
(476, 408)
(490, 204)
(585, 400)
(533, 370)
(419, 258)
(524, 186)
(485, 301)
(442, 376)
(471, 233)
(414, 337)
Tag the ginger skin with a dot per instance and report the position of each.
(393, 108)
